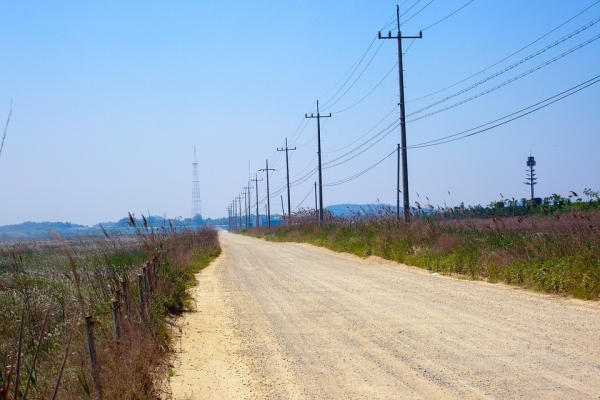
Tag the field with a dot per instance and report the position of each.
(553, 249)
(126, 287)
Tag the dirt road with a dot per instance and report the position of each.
(290, 321)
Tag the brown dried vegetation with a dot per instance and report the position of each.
(78, 277)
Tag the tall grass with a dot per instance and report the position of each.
(77, 277)
(557, 254)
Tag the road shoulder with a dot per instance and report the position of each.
(207, 363)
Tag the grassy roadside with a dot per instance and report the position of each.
(554, 254)
(79, 277)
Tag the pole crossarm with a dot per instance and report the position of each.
(389, 36)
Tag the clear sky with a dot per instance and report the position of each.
(109, 99)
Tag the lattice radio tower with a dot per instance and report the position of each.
(196, 203)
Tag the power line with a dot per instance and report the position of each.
(307, 143)
(387, 129)
(369, 131)
(371, 91)
(326, 105)
(409, 46)
(298, 129)
(507, 57)
(340, 182)
(560, 96)
(401, 15)
(364, 150)
(446, 17)
(307, 165)
(508, 81)
(415, 14)
(404, 13)
(353, 71)
(304, 199)
(521, 61)
(353, 83)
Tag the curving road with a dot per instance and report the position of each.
(296, 321)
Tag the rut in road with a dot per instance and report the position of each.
(315, 324)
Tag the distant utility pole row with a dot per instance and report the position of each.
(402, 154)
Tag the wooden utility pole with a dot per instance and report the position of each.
(249, 213)
(398, 187)
(256, 180)
(268, 200)
(399, 37)
(318, 117)
(287, 167)
(316, 213)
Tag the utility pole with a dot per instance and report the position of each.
(398, 187)
(282, 209)
(234, 215)
(399, 37)
(229, 217)
(233, 224)
(318, 117)
(268, 201)
(249, 213)
(256, 180)
(240, 205)
(316, 213)
(287, 167)
(245, 208)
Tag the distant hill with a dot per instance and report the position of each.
(41, 229)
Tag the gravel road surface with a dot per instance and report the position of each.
(285, 320)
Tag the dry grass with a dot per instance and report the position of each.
(79, 277)
(557, 253)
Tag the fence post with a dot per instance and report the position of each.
(141, 287)
(125, 295)
(154, 265)
(148, 286)
(149, 272)
(145, 275)
(115, 308)
(89, 329)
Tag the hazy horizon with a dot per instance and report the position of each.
(110, 98)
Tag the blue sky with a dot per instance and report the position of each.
(109, 99)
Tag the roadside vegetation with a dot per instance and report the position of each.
(552, 247)
(48, 287)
